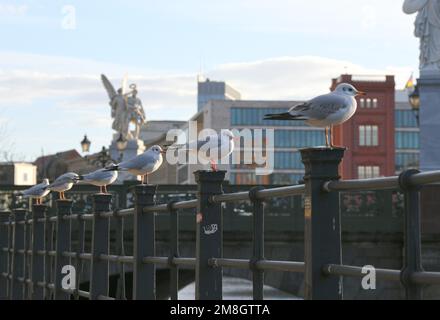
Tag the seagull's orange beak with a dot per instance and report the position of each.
(361, 93)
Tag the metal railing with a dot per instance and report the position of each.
(34, 250)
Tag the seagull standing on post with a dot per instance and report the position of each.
(38, 191)
(143, 165)
(220, 146)
(324, 111)
(63, 183)
(100, 178)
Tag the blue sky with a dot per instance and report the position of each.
(50, 92)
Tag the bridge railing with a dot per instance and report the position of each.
(36, 251)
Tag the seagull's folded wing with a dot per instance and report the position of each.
(321, 107)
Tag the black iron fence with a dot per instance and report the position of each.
(36, 248)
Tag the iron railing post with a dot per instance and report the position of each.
(4, 256)
(62, 244)
(144, 275)
(18, 271)
(412, 236)
(99, 277)
(322, 215)
(258, 243)
(174, 252)
(38, 247)
(209, 235)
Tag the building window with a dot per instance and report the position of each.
(368, 103)
(25, 177)
(406, 161)
(362, 102)
(375, 103)
(288, 161)
(407, 140)
(367, 172)
(368, 136)
(298, 138)
(405, 119)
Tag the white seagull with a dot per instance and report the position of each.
(219, 146)
(64, 183)
(37, 192)
(100, 178)
(324, 111)
(143, 165)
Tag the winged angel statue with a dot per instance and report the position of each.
(126, 109)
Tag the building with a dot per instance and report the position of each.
(369, 134)
(214, 90)
(381, 139)
(18, 174)
(406, 135)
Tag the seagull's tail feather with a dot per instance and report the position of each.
(114, 167)
(283, 116)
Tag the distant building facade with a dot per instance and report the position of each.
(18, 174)
(214, 90)
(369, 134)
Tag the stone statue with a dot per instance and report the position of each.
(126, 109)
(427, 28)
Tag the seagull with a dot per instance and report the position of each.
(100, 178)
(219, 146)
(64, 183)
(38, 191)
(324, 111)
(143, 165)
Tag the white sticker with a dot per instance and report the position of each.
(213, 228)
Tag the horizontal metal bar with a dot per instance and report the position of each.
(351, 271)
(362, 185)
(155, 260)
(87, 217)
(109, 214)
(425, 178)
(51, 253)
(125, 212)
(5, 274)
(71, 217)
(229, 263)
(53, 219)
(101, 297)
(285, 266)
(175, 206)
(114, 258)
(83, 294)
(426, 277)
(282, 192)
(188, 262)
(41, 220)
(263, 194)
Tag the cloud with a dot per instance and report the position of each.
(75, 84)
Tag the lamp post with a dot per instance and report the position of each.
(103, 158)
(414, 101)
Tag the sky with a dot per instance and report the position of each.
(53, 52)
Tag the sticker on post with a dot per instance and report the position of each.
(209, 230)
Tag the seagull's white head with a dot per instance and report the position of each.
(157, 150)
(71, 176)
(228, 134)
(348, 90)
(45, 182)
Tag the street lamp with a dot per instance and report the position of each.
(414, 101)
(103, 158)
(85, 144)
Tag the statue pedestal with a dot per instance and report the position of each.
(429, 88)
(133, 149)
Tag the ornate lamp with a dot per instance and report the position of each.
(85, 144)
(414, 101)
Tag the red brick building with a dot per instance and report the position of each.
(369, 135)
